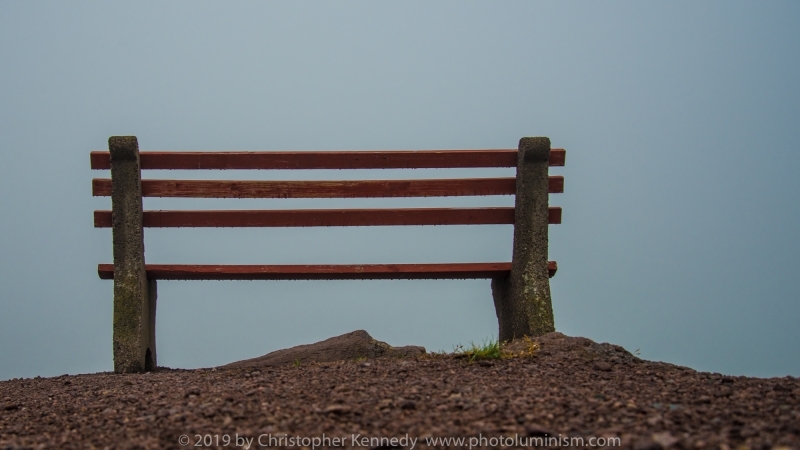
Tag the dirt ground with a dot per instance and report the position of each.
(573, 392)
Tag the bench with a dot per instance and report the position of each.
(520, 288)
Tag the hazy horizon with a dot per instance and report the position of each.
(680, 211)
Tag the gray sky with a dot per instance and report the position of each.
(680, 121)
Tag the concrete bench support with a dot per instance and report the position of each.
(522, 301)
(134, 296)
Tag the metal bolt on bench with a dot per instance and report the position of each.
(520, 288)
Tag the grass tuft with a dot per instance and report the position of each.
(494, 349)
(489, 350)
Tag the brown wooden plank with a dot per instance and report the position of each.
(325, 189)
(319, 189)
(558, 156)
(322, 272)
(555, 184)
(100, 160)
(554, 215)
(395, 159)
(326, 217)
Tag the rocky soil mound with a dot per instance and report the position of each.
(351, 346)
(573, 392)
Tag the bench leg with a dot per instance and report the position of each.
(501, 303)
(150, 360)
(522, 301)
(134, 305)
(134, 327)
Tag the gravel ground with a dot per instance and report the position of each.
(572, 388)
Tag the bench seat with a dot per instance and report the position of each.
(323, 271)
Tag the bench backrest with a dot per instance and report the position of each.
(326, 189)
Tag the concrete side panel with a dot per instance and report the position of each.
(131, 299)
(523, 303)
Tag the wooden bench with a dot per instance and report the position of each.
(520, 288)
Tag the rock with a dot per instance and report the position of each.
(534, 430)
(408, 405)
(193, 390)
(602, 365)
(647, 444)
(555, 348)
(665, 439)
(350, 346)
(336, 409)
(703, 399)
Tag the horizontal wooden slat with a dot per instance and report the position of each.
(558, 157)
(555, 184)
(326, 160)
(323, 272)
(326, 217)
(101, 187)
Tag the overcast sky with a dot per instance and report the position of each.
(681, 122)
